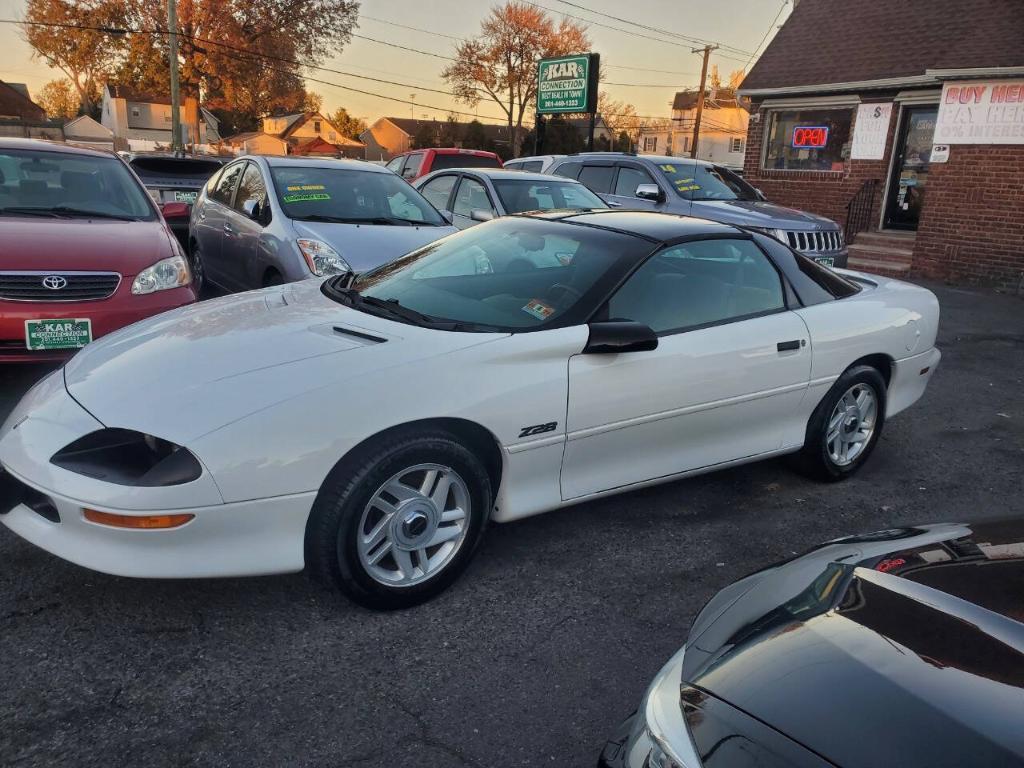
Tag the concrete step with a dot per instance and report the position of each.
(888, 238)
(874, 267)
(881, 253)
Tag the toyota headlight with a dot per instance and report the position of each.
(671, 746)
(322, 259)
(162, 276)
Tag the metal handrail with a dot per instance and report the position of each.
(858, 210)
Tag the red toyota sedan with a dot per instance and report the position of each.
(83, 250)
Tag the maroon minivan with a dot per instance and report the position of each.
(83, 250)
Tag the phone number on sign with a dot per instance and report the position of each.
(571, 101)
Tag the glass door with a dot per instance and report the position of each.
(910, 169)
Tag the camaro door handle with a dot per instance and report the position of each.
(228, 229)
(789, 346)
(613, 204)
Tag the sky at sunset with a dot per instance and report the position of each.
(625, 55)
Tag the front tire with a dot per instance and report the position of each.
(198, 270)
(845, 427)
(397, 525)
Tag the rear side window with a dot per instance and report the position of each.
(533, 166)
(395, 164)
(438, 190)
(569, 170)
(412, 166)
(443, 162)
(598, 177)
(813, 283)
(226, 183)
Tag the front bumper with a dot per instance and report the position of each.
(107, 315)
(248, 538)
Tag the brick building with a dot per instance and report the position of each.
(905, 121)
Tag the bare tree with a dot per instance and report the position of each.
(501, 63)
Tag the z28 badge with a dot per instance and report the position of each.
(539, 429)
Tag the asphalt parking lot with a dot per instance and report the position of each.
(534, 656)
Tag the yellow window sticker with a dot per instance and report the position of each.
(305, 187)
(668, 168)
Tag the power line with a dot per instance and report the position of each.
(768, 32)
(652, 29)
(404, 47)
(414, 29)
(642, 69)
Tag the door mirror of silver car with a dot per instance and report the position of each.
(479, 214)
(760, 195)
(649, 192)
(610, 337)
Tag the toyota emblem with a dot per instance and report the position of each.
(54, 282)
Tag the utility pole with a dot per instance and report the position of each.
(706, 50)
(172, 37)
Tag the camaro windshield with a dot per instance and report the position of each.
(519, 195)
(513, 274)
(706, 182)
(44, 183)
(346, 195)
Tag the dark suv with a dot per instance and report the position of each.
(698, 188)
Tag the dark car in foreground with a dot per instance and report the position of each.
(83, 251)
(902, 647)
(699, 188)
(174, 183)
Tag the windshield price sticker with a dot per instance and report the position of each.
(306, 197)
(306, 188)
(668, 168)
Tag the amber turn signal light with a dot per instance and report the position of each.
(141, 522)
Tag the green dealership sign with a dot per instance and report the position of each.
(567, 84)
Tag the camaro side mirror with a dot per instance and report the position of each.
(649, 192)
(609, 337)
(479, 214)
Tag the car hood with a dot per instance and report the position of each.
(907, 649)
(758, 213)
(190, 371)
(40, 243)
(365, 246)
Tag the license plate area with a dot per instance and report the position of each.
(826, 261)
(61, 333)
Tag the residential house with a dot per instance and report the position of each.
(22, 117)
(390, 136)
(723, 128)
(910, 131)
(85, 131)
(141, 121)
(303, 133)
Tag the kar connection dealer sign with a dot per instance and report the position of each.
(567, 84)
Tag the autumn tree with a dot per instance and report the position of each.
(85, 56)
(424, 137)
(313, 102)
(451, 132)
(347, 125)
(501, 63)
(59, 99)
(236, 54)
(475, 136)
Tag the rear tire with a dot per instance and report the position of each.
(272, 278)
(396, 525)
(845, 427)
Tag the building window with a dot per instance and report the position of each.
(135, 112)
(316, 126)
(650, 143)
(686, 143)
(808, 139)
(737, 145)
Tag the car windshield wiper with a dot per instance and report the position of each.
(64, 210)
(360, 220)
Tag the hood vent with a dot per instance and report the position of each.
(361, 335)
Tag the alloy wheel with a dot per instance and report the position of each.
(413, 525)
(852, 424)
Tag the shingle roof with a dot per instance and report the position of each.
(13, 103)
(129, 93)
(724, 98)
(839, 41)
(492, 131)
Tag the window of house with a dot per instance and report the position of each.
(650, 143)
(808, 139)
(737, 145)
(332, 136)
(316, 126)
(135, 112)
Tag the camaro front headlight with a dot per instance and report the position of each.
(671, 746)
(322, 259)
(162, 276)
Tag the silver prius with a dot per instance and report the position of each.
(470, 195)
(262, 221)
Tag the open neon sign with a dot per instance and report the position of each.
(810, 136)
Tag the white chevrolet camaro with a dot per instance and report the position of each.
(368, 429)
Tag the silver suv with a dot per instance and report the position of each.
(698, 188)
